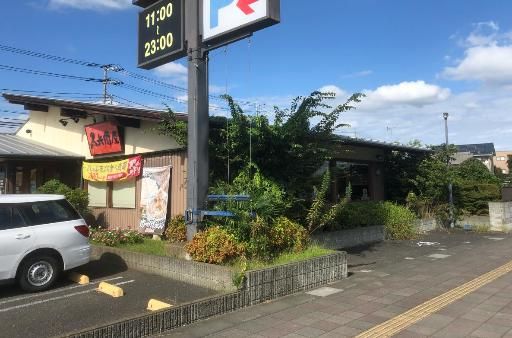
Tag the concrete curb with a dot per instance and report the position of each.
(351, 237)
(259, 286)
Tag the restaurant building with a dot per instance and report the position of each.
(105, 149)
(130, 171)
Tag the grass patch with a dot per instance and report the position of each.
(481, 228)
(288, 257)
(152, 247)
(149, 246)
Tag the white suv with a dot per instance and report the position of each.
(40, 236)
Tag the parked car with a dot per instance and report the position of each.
(40, 237)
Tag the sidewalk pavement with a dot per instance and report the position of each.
(386, 280)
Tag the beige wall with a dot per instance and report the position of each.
(500, 164)
(47, 129)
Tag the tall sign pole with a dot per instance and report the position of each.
(197, 173)
(172, 29)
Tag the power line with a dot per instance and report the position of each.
(133, 102)
(160, 95)
(10, 119)
(40, 72)
(27, 52)
(105, 81)
(48, 92)
(13, 112)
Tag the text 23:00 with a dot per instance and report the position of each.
(165, 41)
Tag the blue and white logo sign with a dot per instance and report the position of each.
(223, 16)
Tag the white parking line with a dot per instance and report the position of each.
(56, 298)
(127, 282)
(57, 290)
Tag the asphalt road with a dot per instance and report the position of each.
(70, 307)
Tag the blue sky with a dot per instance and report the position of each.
(413, 59)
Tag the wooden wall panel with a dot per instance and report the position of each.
(129, 218)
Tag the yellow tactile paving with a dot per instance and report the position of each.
(408, 318)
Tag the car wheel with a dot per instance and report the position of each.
(38, 273)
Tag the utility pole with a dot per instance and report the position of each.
(198, 121)
(107, 80)
(450, 187)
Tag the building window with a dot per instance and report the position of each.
(123, 194)
(97, 194)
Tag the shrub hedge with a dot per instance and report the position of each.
(115, 237)
(176, 230)
(398, 220)
(214, 245)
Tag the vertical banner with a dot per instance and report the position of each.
(154, 198)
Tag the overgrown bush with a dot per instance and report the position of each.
(322, 213)
(399, 221)
(286, 235)
(357, 214)
(214, 245)
(176, 230)
(269, 240)
(115, 237)
(77, 197)
(267, 201)
(474, 197)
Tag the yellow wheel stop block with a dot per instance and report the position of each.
(111, 290)
(155, 305)
(78, 278)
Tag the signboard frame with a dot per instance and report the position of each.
(273, 17)
(174, 53)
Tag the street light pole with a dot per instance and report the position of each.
(450, 187)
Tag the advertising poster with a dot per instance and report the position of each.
(112, 171)
(153, 199)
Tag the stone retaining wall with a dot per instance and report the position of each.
(205, 275)
(350, 238)
(259, 286)
(500, 216)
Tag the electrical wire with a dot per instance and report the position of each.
(47, 92)
(40, 72)
(13, 112)
(112, 67)
(27, 52)
(13, 120)
(136, 104)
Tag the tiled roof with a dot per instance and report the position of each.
(477, 149)
(16, 146)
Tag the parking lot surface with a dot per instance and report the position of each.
(70, 307)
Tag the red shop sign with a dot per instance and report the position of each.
(103, 138)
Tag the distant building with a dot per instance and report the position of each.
(500, 160)
(484, 152)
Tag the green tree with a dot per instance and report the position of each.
(475, 171)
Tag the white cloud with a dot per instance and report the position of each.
(91, 4)
(487, 56)
(484, 33)
(362, 73)
(333, 89)
(491, 64)
(172, 69)
(417, 93)
(479, 116)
